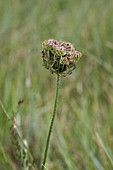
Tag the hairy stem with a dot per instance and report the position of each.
(51, 124)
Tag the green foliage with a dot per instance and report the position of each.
(86, 97)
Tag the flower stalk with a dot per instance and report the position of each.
(51, 123)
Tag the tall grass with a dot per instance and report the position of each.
(86, 98)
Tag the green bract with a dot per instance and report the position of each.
(59, 57)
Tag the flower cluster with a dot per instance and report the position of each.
(59, 57)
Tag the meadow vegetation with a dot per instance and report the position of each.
(82, 138)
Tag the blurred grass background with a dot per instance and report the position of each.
(82, 138)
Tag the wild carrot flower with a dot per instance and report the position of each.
(59, 57)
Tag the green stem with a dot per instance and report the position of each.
(51, 124)
(8, 117)
(4, 110)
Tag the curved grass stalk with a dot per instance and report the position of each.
(19, 136)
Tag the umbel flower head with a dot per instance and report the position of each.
(59, 57)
